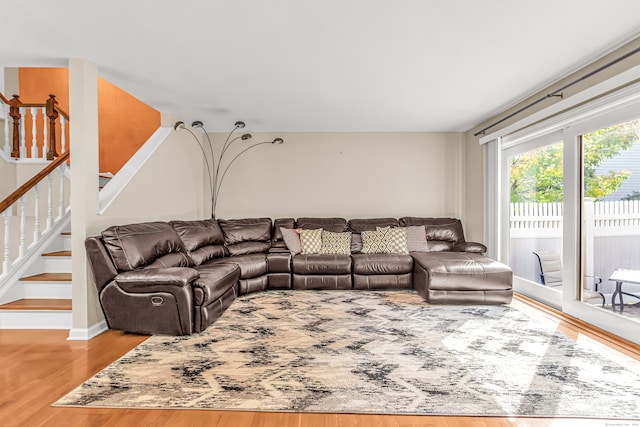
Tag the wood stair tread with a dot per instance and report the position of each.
(66, 233)
(58, 253)
(48, 277)
(38, 304)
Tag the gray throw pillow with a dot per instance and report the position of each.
(417, 238)
(292, 240)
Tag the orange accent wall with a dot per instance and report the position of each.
(125, 122)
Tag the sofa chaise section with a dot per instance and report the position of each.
(461, 278)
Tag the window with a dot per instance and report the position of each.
(567, 189)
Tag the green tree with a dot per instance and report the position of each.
(536, 176)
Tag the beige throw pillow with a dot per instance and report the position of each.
(311, 241)
(374, 242)
(395, 240)
(336, 243)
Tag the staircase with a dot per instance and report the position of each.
(35, 257)
(45, 291)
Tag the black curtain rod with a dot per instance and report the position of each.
(558, 92)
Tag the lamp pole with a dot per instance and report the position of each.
(213, 169)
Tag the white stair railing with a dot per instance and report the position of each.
(23, 213)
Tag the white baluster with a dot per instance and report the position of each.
(36, 216)
(23, 143)
(7, 241)
(63, 136)
(45, 133)
(34, 135)
(61, 208)
(22, 227)
(5, 116)
(50, 201)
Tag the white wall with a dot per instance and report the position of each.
(474, 190)
(167, 186)
(351, 175)
(8, 86)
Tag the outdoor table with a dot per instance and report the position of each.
(620, 276)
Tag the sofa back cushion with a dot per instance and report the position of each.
(281, 223)
(335, 225)
(145, 244)
(203, 239)
(370, 224)
(442, 233)
(246, 236)
(357, 226)
(277, 239)
(244, 230)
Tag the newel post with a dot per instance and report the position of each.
(14, 112)
(52, 113)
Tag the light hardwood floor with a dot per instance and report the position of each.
(38, 367)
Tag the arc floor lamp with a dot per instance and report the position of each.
(214, 168)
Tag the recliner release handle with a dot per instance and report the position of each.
(157, 300)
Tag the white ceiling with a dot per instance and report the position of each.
(323, 65)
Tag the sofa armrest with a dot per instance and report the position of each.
(473, 247)
(147, 280)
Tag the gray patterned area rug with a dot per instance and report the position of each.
(370, 352)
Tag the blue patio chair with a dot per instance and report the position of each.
(551, 274)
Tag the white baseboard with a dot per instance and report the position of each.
(84, 334)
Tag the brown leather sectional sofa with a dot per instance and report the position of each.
(178, 277)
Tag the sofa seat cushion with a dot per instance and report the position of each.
(382, 263)
(214, 281)
(322, 264)
(279, 262)
(253, 265)
(463, 271)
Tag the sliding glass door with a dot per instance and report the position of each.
(568, 221)
(535, 216)
(610, 235)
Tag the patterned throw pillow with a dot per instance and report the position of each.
(292, 240)
(311, 241)
(417, 238)
(396, 240)
(374, 242)
(336, 243)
